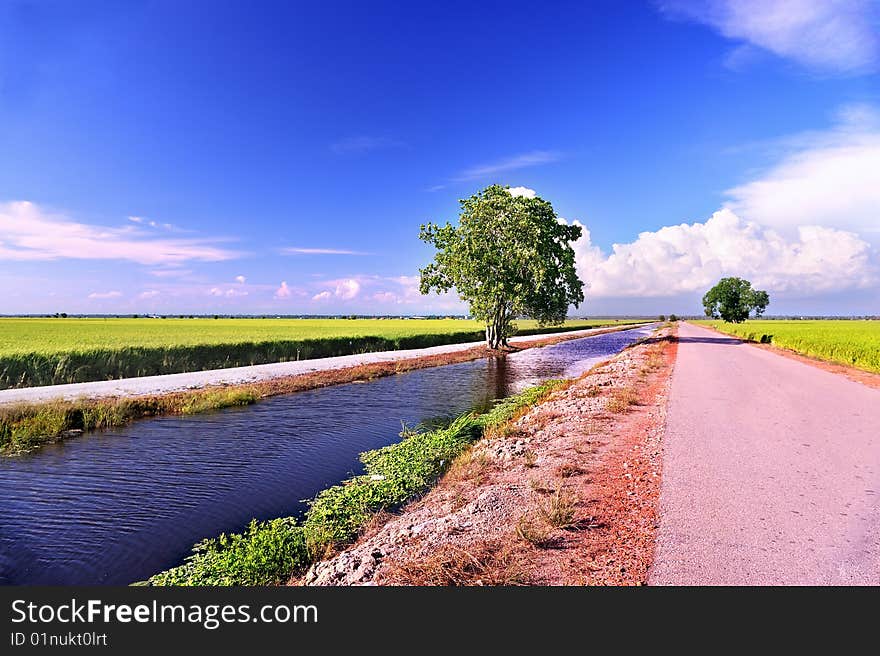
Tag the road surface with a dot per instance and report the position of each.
(237, 375)
(771, 472)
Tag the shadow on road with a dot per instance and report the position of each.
(732, 341)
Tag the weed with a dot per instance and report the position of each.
(621, 400)
(559, 511)
(534, 531)
(488, 563)
(567, 470)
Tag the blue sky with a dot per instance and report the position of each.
(279, 157)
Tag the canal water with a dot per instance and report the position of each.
(117, 506)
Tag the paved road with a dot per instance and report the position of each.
(237, 375)
(771, 471)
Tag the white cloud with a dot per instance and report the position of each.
(523, 192)
(319, 251)
(386, 297)
(347, 289)
(231, 293)
(824, 35)
(524, 160)
(136, 219)
(283, 291)
(150, 293)
(827, 178)
(240, 279)
(216, 291)
(690, 258)
(28, 233)
(105, 295)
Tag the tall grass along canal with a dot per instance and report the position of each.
(117, 506)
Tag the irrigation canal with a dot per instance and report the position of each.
(117, 506)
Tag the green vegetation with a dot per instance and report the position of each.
(854, 343)
(26, 426)
(509, 256)
(267, 553)
(733, 299)
(54, 351)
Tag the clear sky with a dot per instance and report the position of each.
(261, 157)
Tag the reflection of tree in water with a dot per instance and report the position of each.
(498, 371)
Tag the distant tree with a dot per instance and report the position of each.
(63, 315)
(733, 299)
(662, 317)
(672, 317)
(509, 256)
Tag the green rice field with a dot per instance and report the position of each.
(49, 351)
(855, 343)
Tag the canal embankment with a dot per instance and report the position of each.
(32, 417)
(564, 494)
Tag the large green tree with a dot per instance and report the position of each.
(733, 299)
(509, 256)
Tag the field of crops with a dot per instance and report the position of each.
(855, 343)
(47, 351)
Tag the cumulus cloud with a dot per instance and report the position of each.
(830, 36)
(827, 178)
(105, 295)
(240, 279)
(148, 294)
(347, 289)
(322, 296)
(691, 257)
(215, 291)
(283, 291)
(523, 192)
(231, 293)
(29, 233)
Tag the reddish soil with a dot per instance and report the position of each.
(564, 495)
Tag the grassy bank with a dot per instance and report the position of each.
(267, 553)
(853, 343)
(27, 426)
(55, 351)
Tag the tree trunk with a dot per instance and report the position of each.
(495, 336)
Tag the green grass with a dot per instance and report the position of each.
(54, 351)
(854, 343)
(268, 553)
(25, 427)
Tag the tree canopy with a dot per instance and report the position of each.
(733, 299)
(509, 256)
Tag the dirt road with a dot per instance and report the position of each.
(771, 471)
